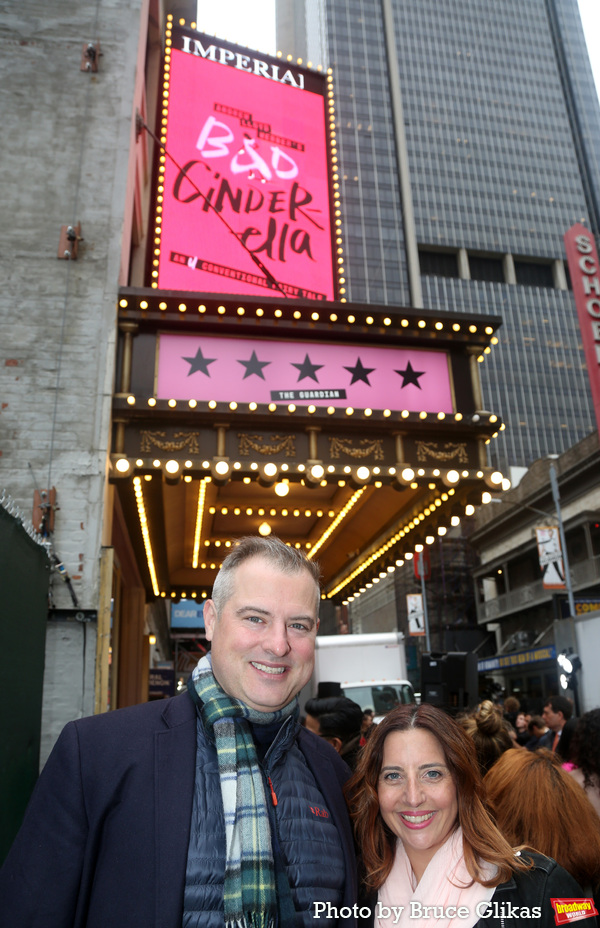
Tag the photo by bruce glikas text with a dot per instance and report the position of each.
(417, 910)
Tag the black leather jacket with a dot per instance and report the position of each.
(533, 889)
(522, 901)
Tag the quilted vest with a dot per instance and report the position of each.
(308, 840)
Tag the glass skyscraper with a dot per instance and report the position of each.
(469, 142)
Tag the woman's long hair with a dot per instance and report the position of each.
(586, 746)
(481, 839)
(564, 747)
(536, 802)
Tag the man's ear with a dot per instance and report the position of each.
(210, 618)
(337, 743)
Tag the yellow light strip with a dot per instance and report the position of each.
(139, 498)
(386, 546)
(373, 557)
(199, 517)
(339, 251)
(162, 157)
(266, 512)
(339, 518)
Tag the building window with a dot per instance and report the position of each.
(438, 263)
(489, 269)
(533, 274)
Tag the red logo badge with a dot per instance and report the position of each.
(321, 813)
(572, 910)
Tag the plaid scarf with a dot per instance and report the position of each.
(250, 892)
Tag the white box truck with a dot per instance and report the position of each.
(370, 668)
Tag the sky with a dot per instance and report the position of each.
(590, 16)
(252, 23)
(246, 22)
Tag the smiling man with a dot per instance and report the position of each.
(212, 808)
(262, 623)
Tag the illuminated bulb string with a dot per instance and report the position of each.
(339, 518)
(379, 553)
(199, 518)
(139, 498)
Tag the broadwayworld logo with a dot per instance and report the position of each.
(572, 910)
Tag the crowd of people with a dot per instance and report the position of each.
(543, 791)
(218, 808)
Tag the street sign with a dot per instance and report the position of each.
(423, 566)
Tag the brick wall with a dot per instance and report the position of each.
(65, 147)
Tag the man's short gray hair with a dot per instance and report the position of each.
(285, 558)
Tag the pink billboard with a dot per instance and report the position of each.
(243, 203)
(305, 373)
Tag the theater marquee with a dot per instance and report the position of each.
(355, 432)
(243, 192)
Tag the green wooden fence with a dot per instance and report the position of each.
(24, 578)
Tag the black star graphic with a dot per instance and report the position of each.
(199, 363)
(254, 366)
(410, 376)
(359, 372)
(307, 369)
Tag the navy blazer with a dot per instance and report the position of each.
(105, 837)
(546, 740)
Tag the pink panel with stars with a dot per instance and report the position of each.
(268, 371)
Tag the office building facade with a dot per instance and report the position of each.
(469, 142)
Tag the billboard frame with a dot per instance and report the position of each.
(276, 70)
